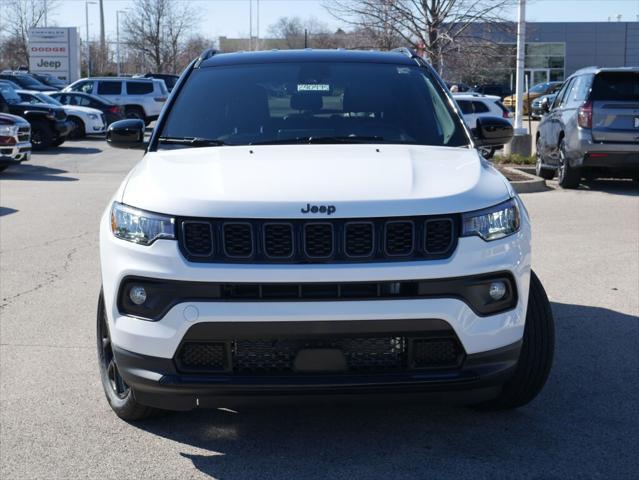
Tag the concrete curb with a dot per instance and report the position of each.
(532, 184)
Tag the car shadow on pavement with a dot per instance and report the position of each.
(615, 187)
(64, 149)
(582, 423)
(36, 173)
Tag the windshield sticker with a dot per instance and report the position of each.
(403, 70)
(313, 87)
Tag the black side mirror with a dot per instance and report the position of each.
(545, 105)
(126, 134)
(492, 132)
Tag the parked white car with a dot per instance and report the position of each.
(476, 105)
(142, 98)
(316, 221)
(86, 121)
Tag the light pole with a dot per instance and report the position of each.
(86, 20)
(521, 58)
(117, 37)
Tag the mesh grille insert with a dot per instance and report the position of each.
(203, 356)
(278, 240)
(318, 240)
(439, 235)
(358, 240)
(198, 238)
(238, 239)
(399, 238)
(434, 352)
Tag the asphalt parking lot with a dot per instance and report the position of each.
(55, 422)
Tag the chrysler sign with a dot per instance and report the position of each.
(55, 51)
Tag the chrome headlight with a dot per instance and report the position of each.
(493, 222)
(140, 227)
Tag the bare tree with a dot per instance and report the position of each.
(18, 17)
(292, 31)
(435, 26)
(157, 30)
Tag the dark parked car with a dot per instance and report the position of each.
(592, 128)
(498, 90)
(49, 80)
(112, 112)
(49, 124)
(169, 80)
(26, 81)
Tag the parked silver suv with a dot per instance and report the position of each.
(592, 128)
(141, 98)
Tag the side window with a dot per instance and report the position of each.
(465, 106)
(83, 101)
(579, 91)
(109, 87)
(562, 95)
(139, 88)
(86, 86)
(480, 107)
(63, 99)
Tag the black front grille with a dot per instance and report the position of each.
(334, 240)
(60, 115)
(24, 134)
(361, 354)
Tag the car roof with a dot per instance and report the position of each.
(595, 70)
(136, 79)
(307, 55)
(474, 96)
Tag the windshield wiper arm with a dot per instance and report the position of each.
(329, 139)
(192, 141)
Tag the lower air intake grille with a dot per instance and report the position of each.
(210, 357)
(433, 352)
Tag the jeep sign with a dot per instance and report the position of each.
(55, 51)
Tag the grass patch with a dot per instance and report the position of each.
(514, 159)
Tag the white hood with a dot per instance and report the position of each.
(279, 181)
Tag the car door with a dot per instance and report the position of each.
(549, 126)
(567, 122)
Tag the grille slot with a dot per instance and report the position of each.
(439, 235)
(238, 240)
(198, 238)
(210, 357)
(399, 238)
(359, 239)
(363, 354)
(278, 240)
(318, 240)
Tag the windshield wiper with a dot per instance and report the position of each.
(328, 140)
(192, 141)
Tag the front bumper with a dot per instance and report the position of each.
(14, 154)
(95, 126)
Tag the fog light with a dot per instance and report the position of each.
(138, 295)
(497, 290)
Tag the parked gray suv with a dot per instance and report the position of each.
(592, 128)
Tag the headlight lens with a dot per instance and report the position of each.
(494, 222)
(140, 227)
(8, 130)
(93, 116)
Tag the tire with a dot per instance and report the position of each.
(540, 171)
(41, 135)
(134, 112)
(536, 356)
(486, 152)
(568, 176)
(59, 141)
(120, 396)
(79, 130)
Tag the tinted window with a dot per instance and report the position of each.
(562, 95)
(578, 91)
(109, 87)
(465, 106)
(479, 107)
(616, 86)
(86, 86)
(139, 88)
(292, 102)
(82, 101)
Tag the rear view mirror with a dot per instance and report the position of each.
(126, 134)
(493, 132)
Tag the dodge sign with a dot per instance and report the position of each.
(55, 51)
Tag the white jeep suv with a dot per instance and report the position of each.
(316, 222)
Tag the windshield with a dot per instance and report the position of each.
(29, 81)
(9, 94)
(539, 88)
(306, 102)
(47, 99)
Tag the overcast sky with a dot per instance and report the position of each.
(231, 17)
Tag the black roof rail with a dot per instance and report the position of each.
(206, 54)
(410, 53)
